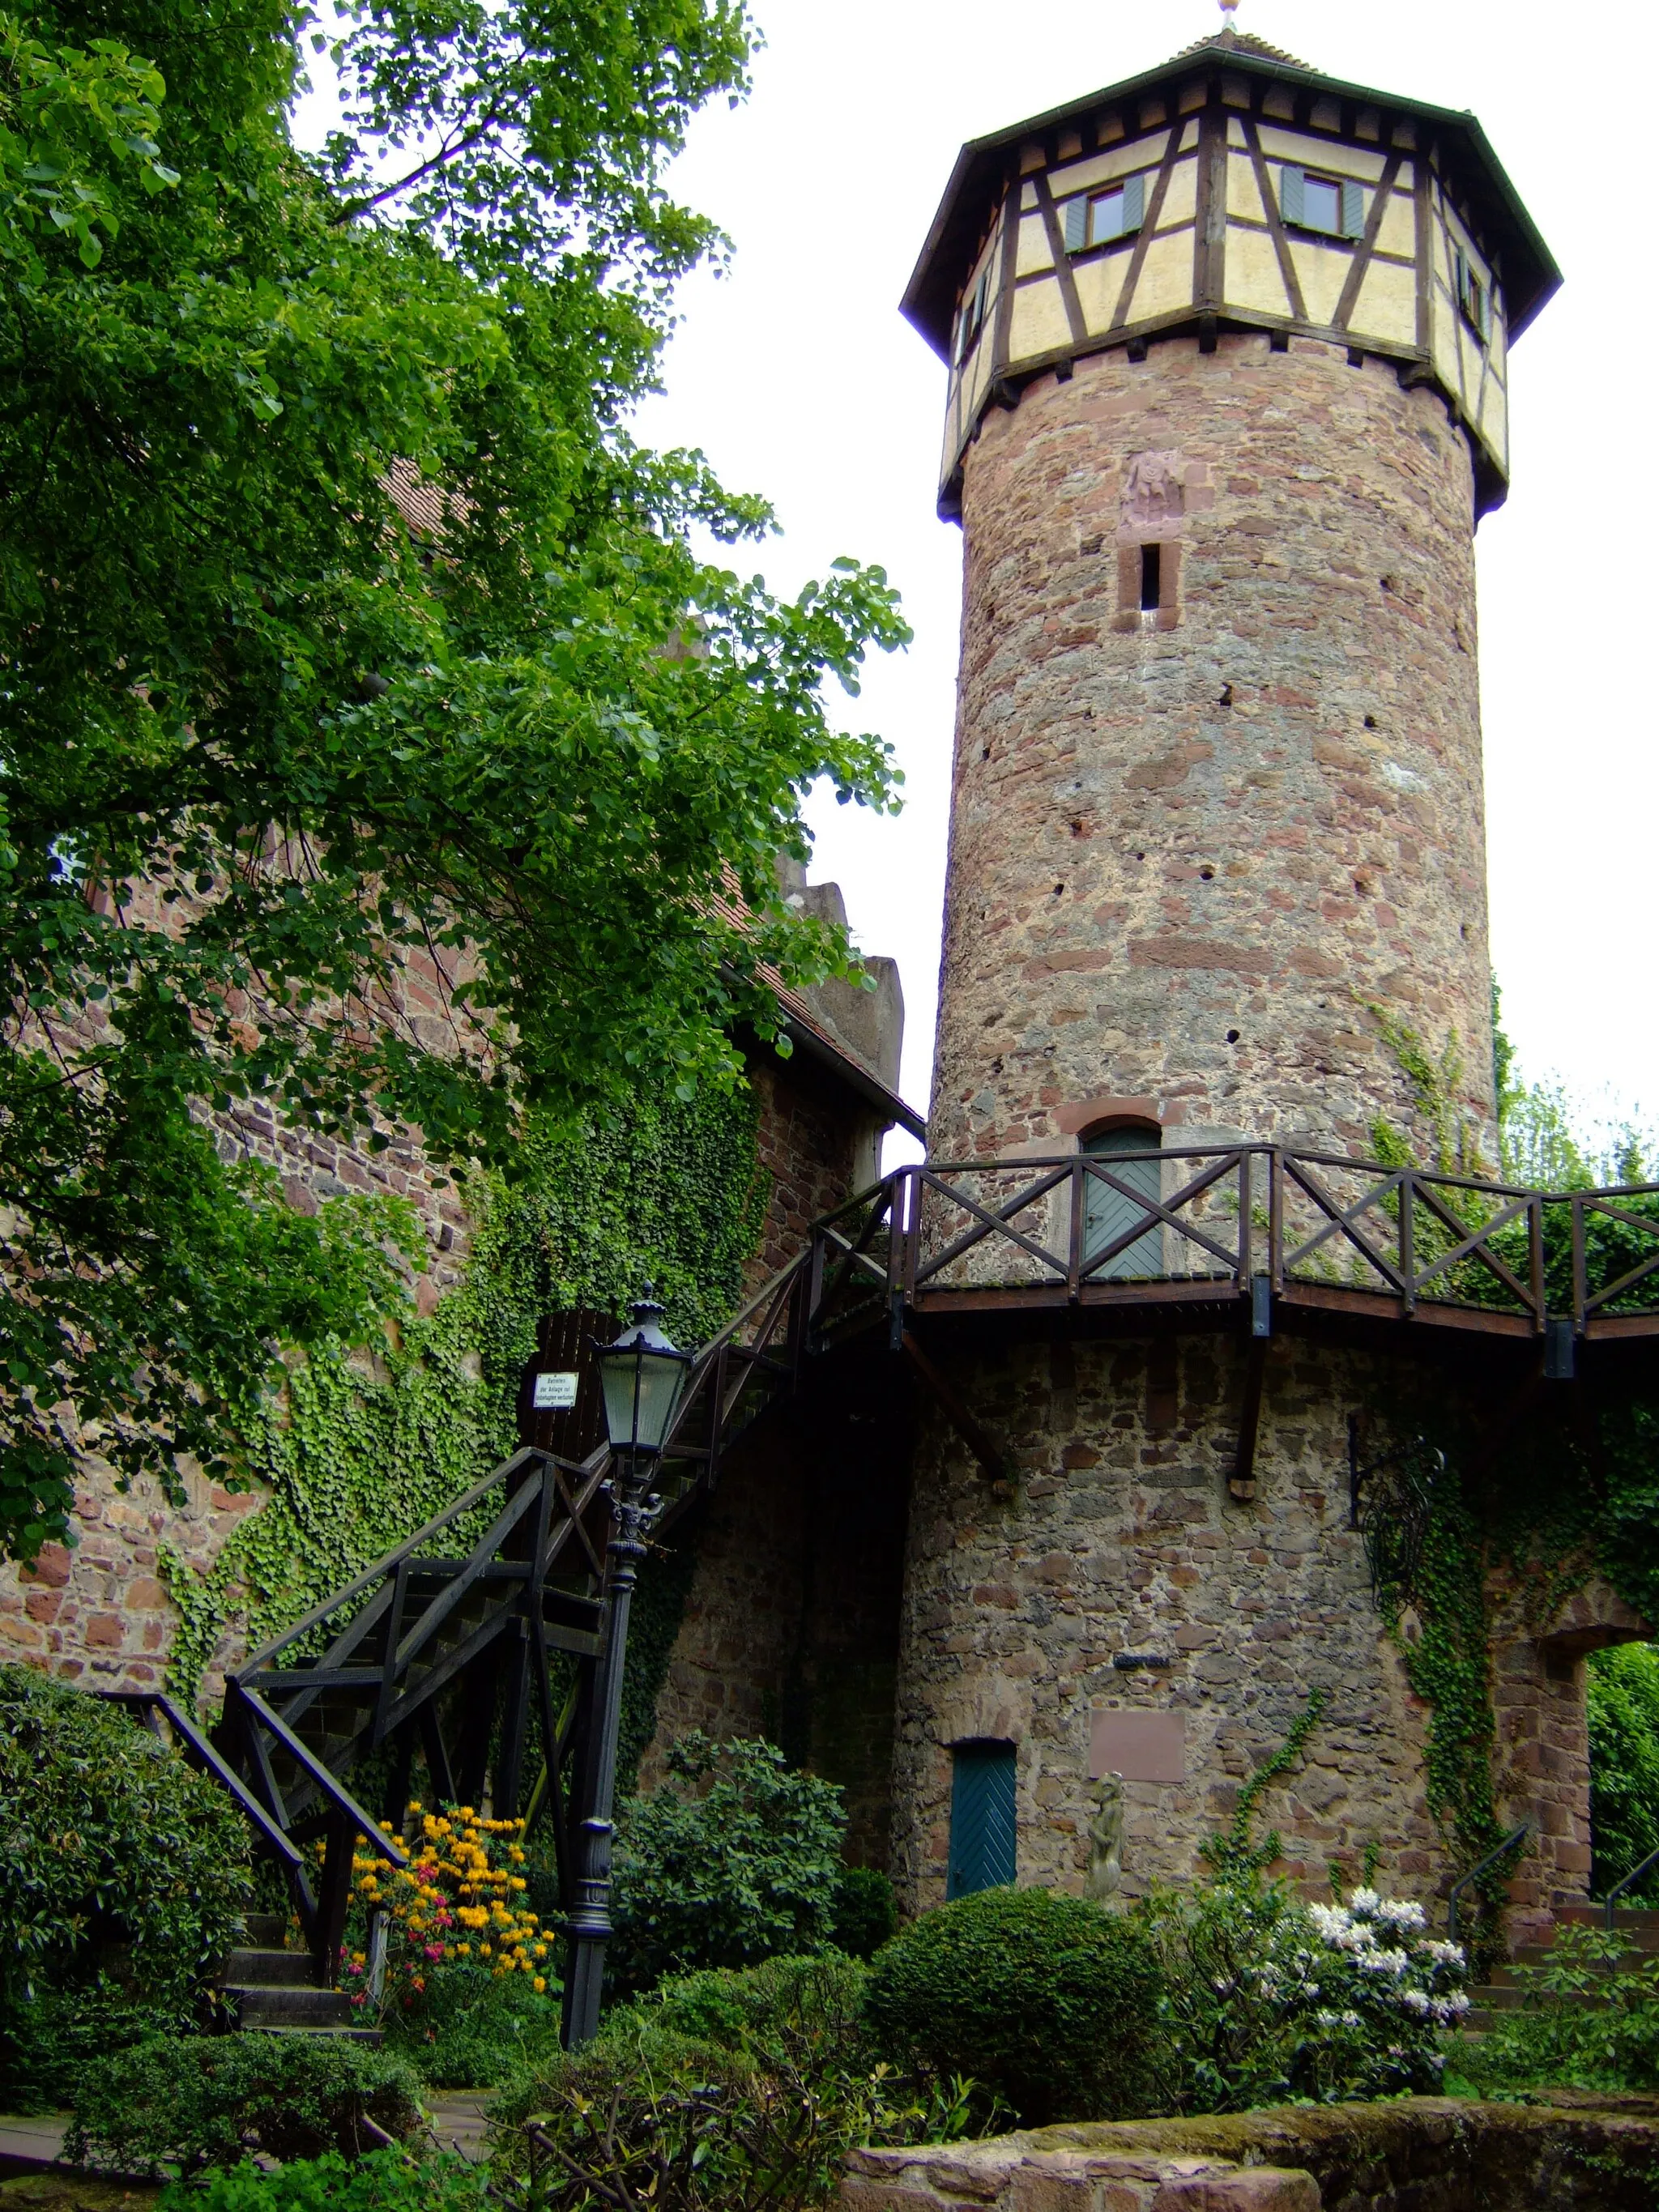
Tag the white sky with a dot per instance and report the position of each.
(798, 377)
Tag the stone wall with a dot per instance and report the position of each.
(1577, 2151)
(1118, 1538)
(1190, 849)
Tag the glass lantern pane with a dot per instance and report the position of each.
(659, 1389)
(617, 1373)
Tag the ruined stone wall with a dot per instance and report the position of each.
(1191, 847)
(1118, 1537)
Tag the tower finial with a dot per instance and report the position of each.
(1228, 10)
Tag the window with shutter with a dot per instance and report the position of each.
(1113, 1209)
(1076, 225)
(982, 1823)
(1116, 214)
(1353, 209)
(1291, 195)
(1334, 206)
(1473, 295)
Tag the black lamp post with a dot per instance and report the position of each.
(643, 1376)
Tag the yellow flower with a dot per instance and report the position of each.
(539, 1984)
(541, 1950)
(462, 1950)
(485, 1951)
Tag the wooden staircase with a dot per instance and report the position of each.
(269, 1987)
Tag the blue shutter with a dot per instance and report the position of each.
(1290, 195)
(1353, 209)
(982, 1826)
(1077, 224)
(1135, 202)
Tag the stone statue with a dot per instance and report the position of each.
(1106, 1840)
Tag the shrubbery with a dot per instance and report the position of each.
(736, 1858)
(1585, 2021)
(198, 2101)
(383, 2181)
(721, 2092)
(1622, 1696)
(1266, 1999)
(124, 1875)
(1049, 2001)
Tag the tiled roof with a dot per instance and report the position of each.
(1243, 42)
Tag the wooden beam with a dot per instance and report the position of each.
(1362, 260)
(1143, 237)
(1264, 185)
(1242, 1482)
(1010, 264)
(1062, 259)
(967, 1427)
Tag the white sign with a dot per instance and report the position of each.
(558, 1392)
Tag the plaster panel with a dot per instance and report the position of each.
(1165, 282)
(1098, 285)
(1033, 252)
(1331, 156)
(1105, 167)
(1180, 200)
(1387, 306)
(1397, 233)
(1244, 193)
(1253, 276)
(1040, 321)
(1322, 271)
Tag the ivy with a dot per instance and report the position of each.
(1231, 1854)
(365, 1448)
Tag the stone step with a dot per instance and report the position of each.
(266, 2007)
(266, 1931)
(1636, 1921)
(1508, 1996)
(268, 1970)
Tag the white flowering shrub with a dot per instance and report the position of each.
(1268, 1999)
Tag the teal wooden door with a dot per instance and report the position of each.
(982, 1830)
(1108, 1214)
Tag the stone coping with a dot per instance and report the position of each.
(1575, 2150)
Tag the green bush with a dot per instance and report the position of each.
(1266, 1999)
(720, 2092)
(867, 1913)
(736, 1858)
(469, 2029)
(194, 2102)
(1556, 2038)
(1623, 1699)
(383, 2181)
(1050, 2000)
(124, 1876)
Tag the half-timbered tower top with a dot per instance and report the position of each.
(1233, 188)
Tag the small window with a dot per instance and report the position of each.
(1097, 220)
(1474, 296)
(1150, 565)
(982, 1825)
(971, 318)
(1332, 206)
(1112, 1210)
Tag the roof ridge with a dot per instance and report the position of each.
(1244, 42)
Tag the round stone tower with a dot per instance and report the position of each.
(1228, 353)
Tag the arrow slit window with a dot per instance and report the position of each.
(983, 1829)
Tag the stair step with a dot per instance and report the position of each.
(264, 2007)
(269, 1970)
(265, 1931)
(1628, 1918)
(372, 2036)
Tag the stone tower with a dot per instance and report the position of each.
(1228, 348)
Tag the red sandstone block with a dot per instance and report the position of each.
(103, 1630)
(52, 1567)
(43, 1605)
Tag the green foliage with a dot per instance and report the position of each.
(736, 1858)
(1588, 2018)
(866, 1911)
(1050, 2000)
(722, 2092)
(1265, 2000)
(1622, 1695)
(1232, 1852)
(359, 1456)
(186, 2103)
(269, 751)
(383, 2181)
(470, 2030)
(123, 1878)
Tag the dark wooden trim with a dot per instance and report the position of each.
(962, 1420)
(1242, 1482)
(1367, 249)
(1210, 223)
(1421, 184)
(1005, 277)
(1264, 185)
(1149, 225)
(1068, 292)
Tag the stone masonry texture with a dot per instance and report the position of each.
(1117, 1536)
(1192, 849)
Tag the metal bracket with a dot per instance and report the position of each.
(1561, 1351)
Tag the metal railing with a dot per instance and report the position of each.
(1465, 1881)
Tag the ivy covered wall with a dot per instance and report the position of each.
(366, 1447)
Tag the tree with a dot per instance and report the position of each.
(342, 627)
